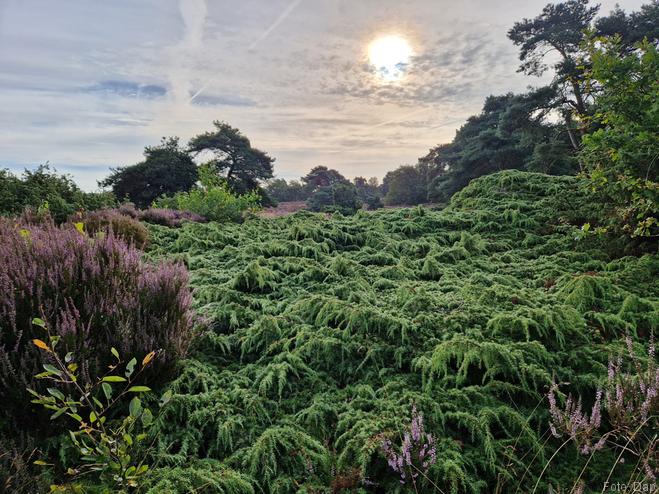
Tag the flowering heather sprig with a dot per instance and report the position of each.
(572, 421)
(631, 402)
(416, 453)
(128, 209)
(93, 292)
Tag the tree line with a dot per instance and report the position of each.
(596, 117)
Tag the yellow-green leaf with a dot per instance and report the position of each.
(148, 358)
(138, 389)
(114, 379)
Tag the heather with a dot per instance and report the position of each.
(94, 293)
(122, 226)
(168, 217)
(411, 350)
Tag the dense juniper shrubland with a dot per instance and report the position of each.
(500, 340)
(323, 333)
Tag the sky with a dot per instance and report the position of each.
(86, 84)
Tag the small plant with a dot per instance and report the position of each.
(630, 404)
(124, 227)
(93, 292)
(111, 445)
(416, 453)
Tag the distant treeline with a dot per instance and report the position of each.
(597, 116)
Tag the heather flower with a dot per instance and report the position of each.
(416, 453)
(93, 292)
(631, 402)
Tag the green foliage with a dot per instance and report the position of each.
(213, 202)
(209, 476)
(323, 331)
(280, 190)
(166, 169)
(43, 188)
(512, 131)
(321, 176)
(337, 197)
(286, 451)
(234, 159)
(620, 156)
(112, 446)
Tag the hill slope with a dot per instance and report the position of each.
(323, 334)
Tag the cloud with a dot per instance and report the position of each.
(216, 100)
(446, 70)
(127, 89)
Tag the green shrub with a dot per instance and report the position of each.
(44, 188)
(338, 197)
(215, 203)
(124, 227)
(111, 444)
(620, 157)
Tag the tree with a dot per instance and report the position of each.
(563, 29)
(321, 176)
(368, 192)
(512, 131)
(405, 186)
(338, 196)
(560, 29)
(234, 158)
(166, 169)
(280, 190)
(631, 28)
(44, 188)
(620, 157)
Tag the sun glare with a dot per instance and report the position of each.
(390, 56)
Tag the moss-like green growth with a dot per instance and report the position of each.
(324, 332)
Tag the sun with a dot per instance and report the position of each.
(390, 56)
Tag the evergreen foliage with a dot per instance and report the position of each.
(325, 331)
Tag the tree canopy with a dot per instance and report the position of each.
(321, 176)
(43, 188)
(166, 169)
(620, 157)
(233, 157)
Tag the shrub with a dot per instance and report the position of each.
(374, 202)
(44, 187)
(124, 227)
(128, 209)
(114, 450)
(93, 293)
(215, 203)
(620, 156)
(169, 217)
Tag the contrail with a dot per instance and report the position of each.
(287, 11)
(400, 119)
